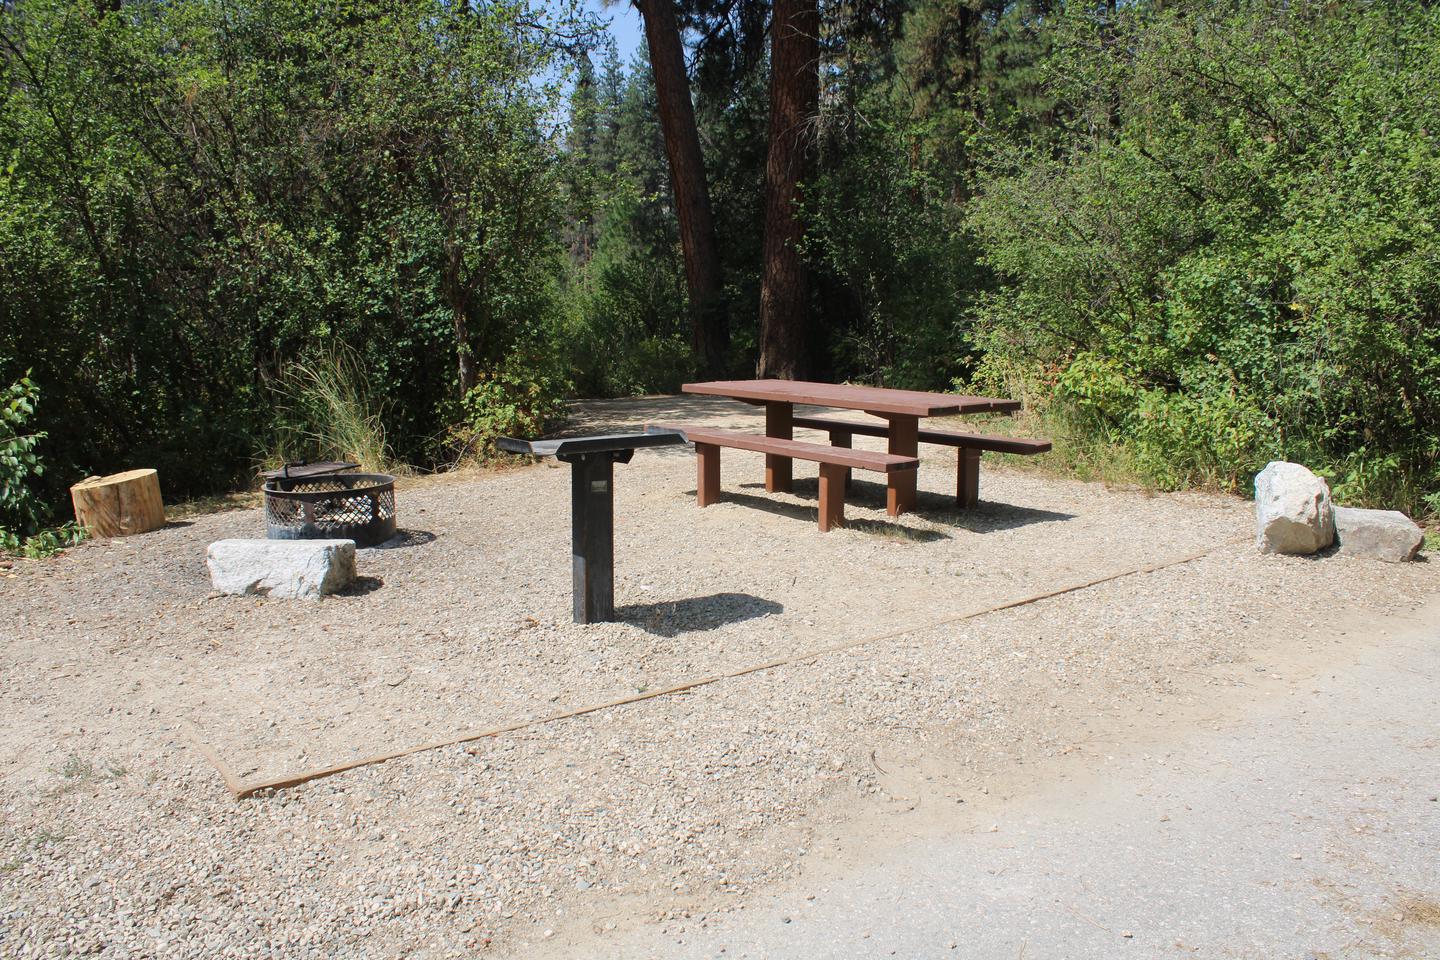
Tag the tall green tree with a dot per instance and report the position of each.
(1220, 252)
(688, 185)
(194, 193)
(794, 104)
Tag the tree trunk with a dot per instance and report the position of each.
(709, 326)
(464, 354)
(452, 290)
(794, 102)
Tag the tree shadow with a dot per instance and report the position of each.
(1334, 551)
(987, 516)
(633, 413)
(677, 450)
(695, 614)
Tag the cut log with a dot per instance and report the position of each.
(120, 504)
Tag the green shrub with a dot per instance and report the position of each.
(1224, 250)
(21, 513)
(193, 193)
(49, 542)
(901, 267)
(20, 510)
(521, 398)
(629, 329)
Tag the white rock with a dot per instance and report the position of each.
(1382, 534)
(1292, 510)
(281, 568)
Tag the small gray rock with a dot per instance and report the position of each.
(1293, 513)
(281, 568)
(1381, 534)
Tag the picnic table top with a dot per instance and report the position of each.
(847, 396)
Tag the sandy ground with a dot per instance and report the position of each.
(117, 837)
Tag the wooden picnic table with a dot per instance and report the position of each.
(902, 408)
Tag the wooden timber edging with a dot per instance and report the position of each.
(241, 790)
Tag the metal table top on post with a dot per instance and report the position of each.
(592, 508)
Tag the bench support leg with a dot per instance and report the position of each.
(904, 440)
(779, 422)
(967, 485)
(592, 534)
(832, 496)
(846, 439)
(707, 481)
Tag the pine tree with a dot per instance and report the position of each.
(710, 335)
(581, 145)
(794, 104)
(609, 93)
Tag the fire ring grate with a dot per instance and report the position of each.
(341, 506)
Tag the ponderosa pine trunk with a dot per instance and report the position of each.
(794, 103)
(709, 325)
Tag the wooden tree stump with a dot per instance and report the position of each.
(120, 504)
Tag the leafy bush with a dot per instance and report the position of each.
(901, 266)
(21, 522)
(521, 398)
(192, 194)
(49, 542)
(1224, 249)
(19, 464)
(629, 331)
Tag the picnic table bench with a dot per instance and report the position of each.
(969, 447)
(835, 464)
(900, 410)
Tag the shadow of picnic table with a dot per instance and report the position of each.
(988, 516)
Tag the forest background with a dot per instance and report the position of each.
(1191, 235)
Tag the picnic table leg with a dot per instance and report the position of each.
(779, 422)
(904, 438)
(843, 438)
(967, 479)
(707, 481)
(832, 496)
(592, 534)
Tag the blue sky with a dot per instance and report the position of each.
(625, 25)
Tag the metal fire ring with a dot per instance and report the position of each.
(341, 506)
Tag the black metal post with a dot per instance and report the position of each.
(592, 507)
(592, 532)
